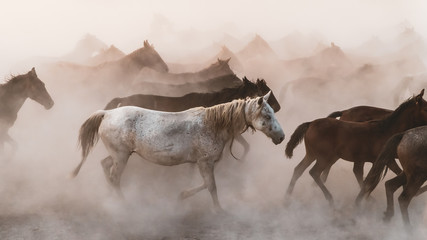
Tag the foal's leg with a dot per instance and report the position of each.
(422, 190)
(390, 187)
(325, 174)
(358, 172)
(299, 169)
(315, 172)
(412, 186)
(394, 167)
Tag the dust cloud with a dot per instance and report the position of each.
(317, 57)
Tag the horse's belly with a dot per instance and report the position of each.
(167, 155)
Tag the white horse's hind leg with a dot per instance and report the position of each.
(188, 193)
(106, 164)
(118, 162)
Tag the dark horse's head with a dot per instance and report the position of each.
(420, 115)
(411, 113)
(149, 57)
(221, 67)
(260, 88)
(36, 89)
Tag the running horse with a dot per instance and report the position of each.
(411, 149)
(197, 135)
(13, 94)
(329, 139)
(175, 104)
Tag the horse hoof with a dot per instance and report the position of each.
(221, 212)
(387, 217)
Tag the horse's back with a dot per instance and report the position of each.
(364, 113)
(332, 137)
(412, 149)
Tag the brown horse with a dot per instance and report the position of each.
(357, 114)
(411, 149)
(361, 114)
(167, 89)
(13, 94)
(328, 139)
(120, 72)
(217, 69)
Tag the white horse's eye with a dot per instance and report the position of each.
(268, 117)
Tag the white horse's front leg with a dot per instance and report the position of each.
(206, 167)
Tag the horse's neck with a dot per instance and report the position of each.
(11, 100)
(403, 122)
(128, 64)
(223, 96)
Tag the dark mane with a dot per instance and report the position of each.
(384, 123)
(12, 80)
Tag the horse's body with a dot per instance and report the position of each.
(328, 139)
(217, 69)
(176, 104)
(411, 149)
(197, 135)
(13, 94)
(357, 114)
(120, 72)
(361, 114)
(175, 90)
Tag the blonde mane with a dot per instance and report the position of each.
(229, 116)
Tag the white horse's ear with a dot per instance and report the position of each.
(267, 96)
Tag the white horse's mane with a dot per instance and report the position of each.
(230, 116)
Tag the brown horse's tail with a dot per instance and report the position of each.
(88, 136)
(388, 153)
(335, 114)
(296, 138)
(113, 103)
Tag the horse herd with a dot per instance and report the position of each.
(196, 127)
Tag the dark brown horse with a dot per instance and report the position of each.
(176, 104)
(361, 114)
(167, 89)
(411, 149)
(328, 139)
(13, 94)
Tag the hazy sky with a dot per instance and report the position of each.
(52, 27)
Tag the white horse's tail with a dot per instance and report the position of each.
(88, 136)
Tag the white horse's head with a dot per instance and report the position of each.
(261, 117)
